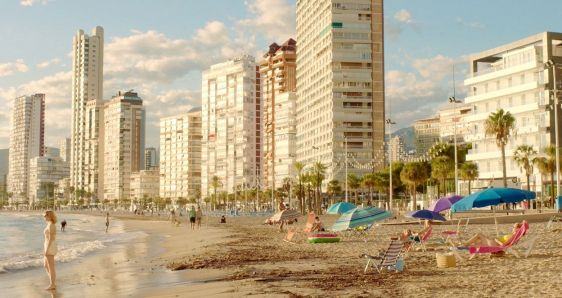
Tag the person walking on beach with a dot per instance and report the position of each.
(63, 225)
(50, 248)
(192, 216)
(199, 217)
(106, 222)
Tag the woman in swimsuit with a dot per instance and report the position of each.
(50, 248)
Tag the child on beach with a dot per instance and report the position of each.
(63, 225)
(192, 216)
(106, 222)
(199, 216)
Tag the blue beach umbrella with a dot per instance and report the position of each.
(492, 197)
(360, 217)
(426, 214)
(341, 207)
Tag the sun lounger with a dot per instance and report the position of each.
(292, 232)
(507, 247)
(449, 235)
(388, 259)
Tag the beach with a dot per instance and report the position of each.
(246, 258)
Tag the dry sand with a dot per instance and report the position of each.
(245, 258)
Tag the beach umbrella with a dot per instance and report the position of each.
(287, 214)
(492, 197)
(360, 217)
(341, 207)
(444, 203)
(426, 214)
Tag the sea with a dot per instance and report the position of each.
(21, 239)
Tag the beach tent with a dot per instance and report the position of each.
(341, 207)
(360, 217)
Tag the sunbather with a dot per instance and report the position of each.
(317, 226)
(482, 240)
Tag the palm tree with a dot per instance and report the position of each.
(353, 182)
(319, 171)
(441, 168)
(368, 181)
(547, 166)
(215, 183)
(500, 125)
(299, 166)
(469, 171)
(334, 188)
(414, 174)
(523, 157)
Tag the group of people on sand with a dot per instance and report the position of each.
(195, 217)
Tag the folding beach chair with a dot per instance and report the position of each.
(292, 232)
(420, 241)
(387, 259)
(449, 235)
(507, 247)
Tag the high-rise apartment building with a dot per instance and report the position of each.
(278, 90)
(87, 92)
(180, 155)
(64, 149)
(27, 140)
(452, 122)
(44, 174)
(4, 153)
(512, 77)
(397, 148)
(231, 125)
(428, 133)
(51, 151)
(144, 184)
(123, 143)
(151, 158)
(340, 85)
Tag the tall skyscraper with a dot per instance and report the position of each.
(26, 141)
(278, 90)
(180, 155)
(513, 77)
(64, 149)
(87, 86)
(231, 125)
(340, 85)
(151, 158)
(123, 143)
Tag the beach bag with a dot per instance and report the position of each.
(400, 264)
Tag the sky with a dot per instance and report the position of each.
(159, 48)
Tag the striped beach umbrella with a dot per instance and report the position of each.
(341, 207)
(287, 214)
(359, 217)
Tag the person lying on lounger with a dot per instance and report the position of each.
(480, 239)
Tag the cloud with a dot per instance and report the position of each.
(10, 68)
(403, 16)
(476, 25)
(48, 63)
(274, 19)
(33, 2)
(426, 86)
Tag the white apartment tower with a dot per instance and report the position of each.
(512, 77)
(44, 174)
(87, 86)
(340, 85)
(180, 155)
(150, 158)
(278, 90)
(231, 125)
(26, 142)
(64, 149)
(123, 143)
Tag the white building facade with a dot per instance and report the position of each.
(150, 158)
(45, 172)
(180, 155)
(87, 93)
(123, 132)
(26, 142)
(64, 149)
(231, 126)
(145, 184)
(340, 85)
(512, 77)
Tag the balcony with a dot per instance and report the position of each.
(498, 72)
(502, 92)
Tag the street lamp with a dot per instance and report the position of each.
(454, 101)
(390, 122)
(551, 64)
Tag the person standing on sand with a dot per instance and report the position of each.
(106, 222)
(199, 216)
(192, 216)
(63, 225)
(50, 248)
